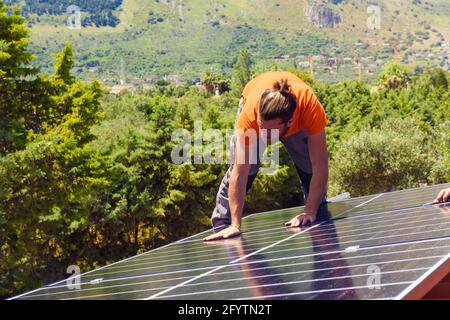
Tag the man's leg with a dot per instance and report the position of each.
(297, 147)
(221, 216)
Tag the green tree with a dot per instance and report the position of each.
(47, 170)
(43, 189)
(438, 78)
(213, 81)
(306, 77)
(30, 103)
(14, 68)
(14, 55)
(241, 72)
(63, 66)
(394, 75)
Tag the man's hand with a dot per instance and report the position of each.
(443, 196)
(231, 231)
(301, 220)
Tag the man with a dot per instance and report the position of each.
(274, 104)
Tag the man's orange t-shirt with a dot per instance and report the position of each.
(309, 113)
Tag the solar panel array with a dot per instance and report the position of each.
(372, 247)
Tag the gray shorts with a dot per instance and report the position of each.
(297, 147)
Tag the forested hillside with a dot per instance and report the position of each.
(186, 38)
(87, 178)
(98, 13)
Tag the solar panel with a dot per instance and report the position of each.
(373, 247)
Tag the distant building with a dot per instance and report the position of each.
(175, 78)
(303, 64)
(152, 79)
(147, 86)
(122, 88)
(411, 59)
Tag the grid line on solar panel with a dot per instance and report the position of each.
(378, 262)
(393, 227)
(258, 286)
(342, 237)
(289, 211)
(234, 279)
(353, 277)
(365, 217)
(378, 244)
(251, 254)
(441, 247)
(316, 238)
(286, 211)
(343, 251)
(132, 270)
(355, 201)
(403, 199)
(100, 268)
(317, 270)
(370, 209)
(284, 295)
(325, 253)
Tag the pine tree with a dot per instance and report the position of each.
(241, 72)
(48, 172)
(14, 69)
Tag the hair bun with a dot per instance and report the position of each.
(281, 86)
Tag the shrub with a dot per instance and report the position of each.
(395, 155)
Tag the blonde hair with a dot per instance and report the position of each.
(278, 102)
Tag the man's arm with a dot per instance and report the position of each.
(236, 190)
(318, 154)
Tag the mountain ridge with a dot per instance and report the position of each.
(190, 37)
